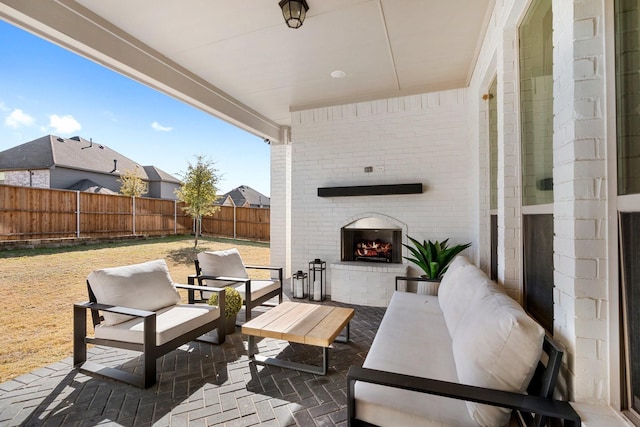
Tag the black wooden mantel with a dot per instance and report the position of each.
(370, 190)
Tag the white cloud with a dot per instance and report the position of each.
(157, 126)
(18, 118)
(110, 115)
(64, 124)
(4, 108)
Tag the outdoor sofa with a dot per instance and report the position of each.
(463, 358)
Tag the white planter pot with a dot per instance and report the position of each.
(428, 288)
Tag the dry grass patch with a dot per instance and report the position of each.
(39, 287)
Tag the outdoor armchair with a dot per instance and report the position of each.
(226, 268)
(137, 307)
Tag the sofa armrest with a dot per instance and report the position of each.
(192, 289)
(263, 267)
(197, 288)
(202, 277)
(115, 309)
(546, 407)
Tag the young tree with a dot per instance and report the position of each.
(131, 184)
(198, 191)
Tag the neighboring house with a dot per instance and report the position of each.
(77, 164)
(161, 184)
(244, 197)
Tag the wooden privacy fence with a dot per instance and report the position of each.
(35, 213)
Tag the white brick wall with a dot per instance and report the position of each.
(365, 284)
(421, 138)
(581, 295)
(582, 318)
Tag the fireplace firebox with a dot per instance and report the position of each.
(371, 240)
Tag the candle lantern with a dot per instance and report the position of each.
(300, 284)
(317, 280)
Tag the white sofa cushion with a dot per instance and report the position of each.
(412, 340)
(226, 263)
(456, 292)
(258, 288)
(496, 345)
(451, 277)
(145, 286)
(457, 262)
(171, 322)
(229, 264)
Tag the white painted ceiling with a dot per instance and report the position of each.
(245, 52)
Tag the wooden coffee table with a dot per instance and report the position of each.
(311, 324)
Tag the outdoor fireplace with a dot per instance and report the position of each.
(371, 240)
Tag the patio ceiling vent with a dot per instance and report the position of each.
(294, 12)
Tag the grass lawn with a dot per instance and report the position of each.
(39, 286)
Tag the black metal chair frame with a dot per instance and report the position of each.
(150, 351)
(533, 409)
(248, 302)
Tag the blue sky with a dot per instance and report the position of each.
(45, 89)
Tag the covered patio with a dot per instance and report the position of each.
(199, 384)
(517, 117)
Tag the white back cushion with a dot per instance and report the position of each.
(451, 276)
(456, 292)
(146, 286)
(457, 262)
(496, 345)
(222, 263)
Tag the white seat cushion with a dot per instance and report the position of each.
(496, 345)
(258, 289)
(413, 340)
(145, 286)
(222, 263)
(171, 322)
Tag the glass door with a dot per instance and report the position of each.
(627, 29)
(493, 175)
(536, 123)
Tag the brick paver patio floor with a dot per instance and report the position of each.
(199, 385)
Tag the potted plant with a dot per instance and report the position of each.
(232, 305)
(433, 257)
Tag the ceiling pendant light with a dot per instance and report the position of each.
(294, 12)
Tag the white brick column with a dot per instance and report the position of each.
(509, 200)
(580, 206)
(281, 207)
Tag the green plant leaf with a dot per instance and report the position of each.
(433, 257)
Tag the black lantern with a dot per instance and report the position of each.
(294, 12)
(300, 284)
(317, 280)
